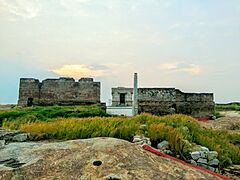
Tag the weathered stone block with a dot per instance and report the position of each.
(2, 143)
(202, 161)
(214, 162)
(195, 155)
(203, 154)
(162, 145)
(211, 168)
(20, 137)
(204, 149)
(212, 155)
(202, 165)
(193, 162)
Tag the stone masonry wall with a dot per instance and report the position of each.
(62, 91)
(195, 104)
(162, 101)
(156, 100)
(28, 88)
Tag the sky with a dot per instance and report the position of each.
(192, 45)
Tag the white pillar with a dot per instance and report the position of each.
(135, 95)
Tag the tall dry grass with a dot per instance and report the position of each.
(174, 128)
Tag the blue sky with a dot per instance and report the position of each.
(192, 45)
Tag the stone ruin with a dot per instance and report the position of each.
(162, 101)
(62, 91)
(159, 101)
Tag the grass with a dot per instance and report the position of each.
(25, 115)
(174, 128)
(228, 107)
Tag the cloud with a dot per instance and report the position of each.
(80, 70)
(98, 67)
(96, 70)
(22, 8)
(78, 7)
(181, 67)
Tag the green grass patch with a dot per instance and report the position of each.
(228, 107)
(31, 114)
(174, 128)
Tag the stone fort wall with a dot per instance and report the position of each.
(162, 101)
(62, 91)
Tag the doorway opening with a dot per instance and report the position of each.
(29, 101)
(122, 98)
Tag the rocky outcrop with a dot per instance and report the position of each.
(198, 155)
(201, 156)
(2, 144)
(232, 171)
(97, 158)
(7, 135)
(141, 139)
(162, 145)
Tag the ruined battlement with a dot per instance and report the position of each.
(62, 91)
(86, 80)
(162, 101)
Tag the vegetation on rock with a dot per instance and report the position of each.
(176, 129)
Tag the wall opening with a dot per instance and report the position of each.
(122, 98)
(29, 101)
(173, 109)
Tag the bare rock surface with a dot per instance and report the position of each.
(96, 158)
(9, 135)
(229, 121)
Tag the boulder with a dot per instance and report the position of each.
(140, 140)
(162, 145)
(96, 158)
(203, 165)
(203, 154)
(202, 161)
(20, 137)
(211, 168)
(199, 148)
(204, 149)
(233, 170)
(214, 162)
(6, 134)
(167, 151)
(195, 155)
(14, 135)
(193, 162)
(136, 139)
(212, 155)
(2, 143)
